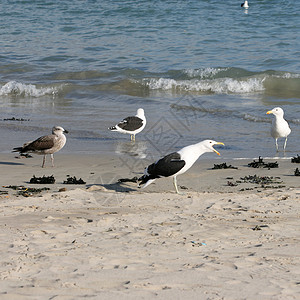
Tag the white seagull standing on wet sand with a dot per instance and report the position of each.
(47, 144)
(176, 163)
(280, 127)
(131, 125)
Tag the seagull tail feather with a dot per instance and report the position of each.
(18, 149)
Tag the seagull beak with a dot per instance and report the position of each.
(218, 143)
(66, 131)
(269, 112)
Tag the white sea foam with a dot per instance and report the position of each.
(29, 90)
(219, 86)
(204, 73)
(288, 75)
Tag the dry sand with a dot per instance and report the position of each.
(104, 240)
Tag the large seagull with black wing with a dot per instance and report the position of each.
(176, 163)
(131, 125)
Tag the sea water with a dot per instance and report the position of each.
(201, 69)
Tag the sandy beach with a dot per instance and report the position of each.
(225, 238)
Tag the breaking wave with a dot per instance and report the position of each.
(219, 86)
(141, 83)
(224, 81)
(26, 90)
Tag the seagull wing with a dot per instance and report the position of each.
(131, 123)
(42, 143)
(167, 166)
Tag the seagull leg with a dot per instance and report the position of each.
(175, 185)
(276, 145)
(284, 144)
(52, 159)
(44, 160)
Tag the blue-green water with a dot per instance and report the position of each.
(200, 69)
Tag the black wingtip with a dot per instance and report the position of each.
(18, 149)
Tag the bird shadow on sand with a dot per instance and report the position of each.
(11, 163)
(117, 187)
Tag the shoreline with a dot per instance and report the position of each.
(110, 240)
(107, 169)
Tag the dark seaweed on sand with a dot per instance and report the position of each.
(133, 179)
(259, 227)
(261, 179)
(73, 180)
(43, 180)
(26, 191)
(296, 159)
(26, 155)
(297, 172)
(261, 164)
(231, 183)
(223, 166)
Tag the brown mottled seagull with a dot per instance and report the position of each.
(47, 144)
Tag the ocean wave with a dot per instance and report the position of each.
(28, 90)
(228, 113)
(223, 81)
(287, 75)
(256, 119)
(218, 86)
(204, 73)
(295, 121)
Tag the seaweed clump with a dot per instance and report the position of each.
(26, 191)
(296, 159)
(133, 179)
(25, 155)
(261, 164)
(223, 166)
(43, 180)
(73, 180)
(297, 172)
(263, 181)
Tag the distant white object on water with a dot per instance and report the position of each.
(245, 4)
(131, 125)
(280, 127)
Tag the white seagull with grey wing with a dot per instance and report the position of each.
(176, 163)
(131, 125)
(48, 144)
(280, 127)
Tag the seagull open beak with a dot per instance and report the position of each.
(218, 143)
(269, 112)
(66, 131)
